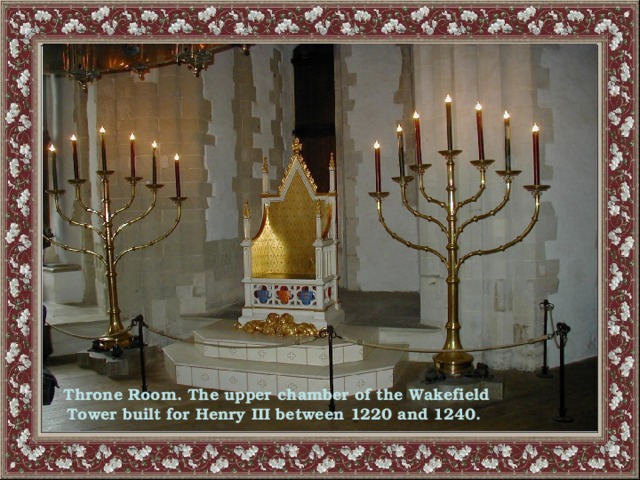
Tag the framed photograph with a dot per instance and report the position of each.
(221, 83)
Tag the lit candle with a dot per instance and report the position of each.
(154, 176)
(480, 135)
(54, 168)
(447, 103)
(536, 154)
(376, 156)
(507, 141)
(133, 155)
(76, 173)
(177, 163)
(104, 150)
(416, 130)
(400, 150)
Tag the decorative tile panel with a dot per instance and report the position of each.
(295, 384)
(238, 353)
(205, 377)
(233, 381)
(292, 355)
(262, 354)
(353, 353)
(360, 382)
(183, 375)
(384, 379)
(262, 382)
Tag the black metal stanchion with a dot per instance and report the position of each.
(143, 373)
(544, 373)
(562, 331)
(330, 334)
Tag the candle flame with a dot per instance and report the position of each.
(154, 144)
(399, 129)
(506, 115)
(478, 106)
(73, 137)
(415, 115)
(102, 130)
(132, 137)
(535, 128)
(52, 148)
(447, 99)
(376, 145)
(177, 157)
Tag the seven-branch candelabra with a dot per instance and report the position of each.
(453, 359)
(107, 232)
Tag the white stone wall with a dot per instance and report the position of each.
(371, 109)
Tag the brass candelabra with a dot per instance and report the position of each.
(452, 359)
(107, 232)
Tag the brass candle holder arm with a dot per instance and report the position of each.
(493, 211)
(420, 170)
(519, 238)
(77, 250)
(395, 236)
(482, 166)
(132, 197)
(178, 201)
(403, 181)
(85, 207)
(139, 217)
(71, 221)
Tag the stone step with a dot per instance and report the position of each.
(222, 340)
(187, 366)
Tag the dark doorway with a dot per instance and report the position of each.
(315, 108)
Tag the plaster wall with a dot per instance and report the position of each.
(374, 100)
(571, 93)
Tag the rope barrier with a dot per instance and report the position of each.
(299, 340)
(414, 350)
(323, 334)
(75, 335)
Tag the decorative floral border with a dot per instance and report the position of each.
(615, 25)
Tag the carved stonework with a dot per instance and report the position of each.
(279, 326)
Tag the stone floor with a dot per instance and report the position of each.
(529, 402)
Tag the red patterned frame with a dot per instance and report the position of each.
(613, 25)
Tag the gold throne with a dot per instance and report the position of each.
(290, 265)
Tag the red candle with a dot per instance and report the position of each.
(133, 155)
(480, 134)
(177, 164)
(54, 169)
(154, 175)
(507, 141)
(416, 130)
(76, 174)
(447, 103)
(400, 150)
(104, 150)
(536, 154)
(376, 154)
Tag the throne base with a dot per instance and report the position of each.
(226, 359)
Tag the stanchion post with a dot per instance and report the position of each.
(330, 335)
(562, 330)
(143, 373)
(544, 373)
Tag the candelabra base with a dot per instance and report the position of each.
(544, 373)
(453, 363)
(107, 342)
